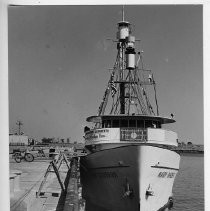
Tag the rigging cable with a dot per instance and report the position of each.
(102, 107)
(154, 85)
(149, 106)
(137, 93)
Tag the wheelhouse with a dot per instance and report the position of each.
(125, 121)
(115, 129)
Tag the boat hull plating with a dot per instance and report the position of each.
(133, 177)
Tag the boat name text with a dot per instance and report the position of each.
(97, 134)
(166, 174)
(107, 174)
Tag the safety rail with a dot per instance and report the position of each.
(55, 165)
(72, 189)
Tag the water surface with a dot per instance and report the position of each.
(189, 184)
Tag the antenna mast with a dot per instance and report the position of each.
(123, 13)
(122, 34)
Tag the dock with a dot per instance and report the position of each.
(46, 184)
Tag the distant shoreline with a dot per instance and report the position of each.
(190, 152)
(189, 149)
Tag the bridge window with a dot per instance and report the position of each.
(154, 124)
(124, 123)
(104, 124)
(148, 123)
(158, 125)
(116, 123)
(140, 123)
(108, 122)
(132, 123)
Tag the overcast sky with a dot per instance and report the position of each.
(59, 56)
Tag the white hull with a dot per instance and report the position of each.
(128, 178)
(128, 168)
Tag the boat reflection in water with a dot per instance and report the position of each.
(129, 166)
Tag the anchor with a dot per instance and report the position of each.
(149, 192)
(128, 190)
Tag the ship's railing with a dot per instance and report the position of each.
(147, 135)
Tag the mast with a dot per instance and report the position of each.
(122, 34)
(128, 80)
(122, 84)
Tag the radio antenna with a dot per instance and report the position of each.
(123, 13)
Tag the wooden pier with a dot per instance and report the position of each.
(47, 184)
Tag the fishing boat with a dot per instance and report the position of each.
(129, 165)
